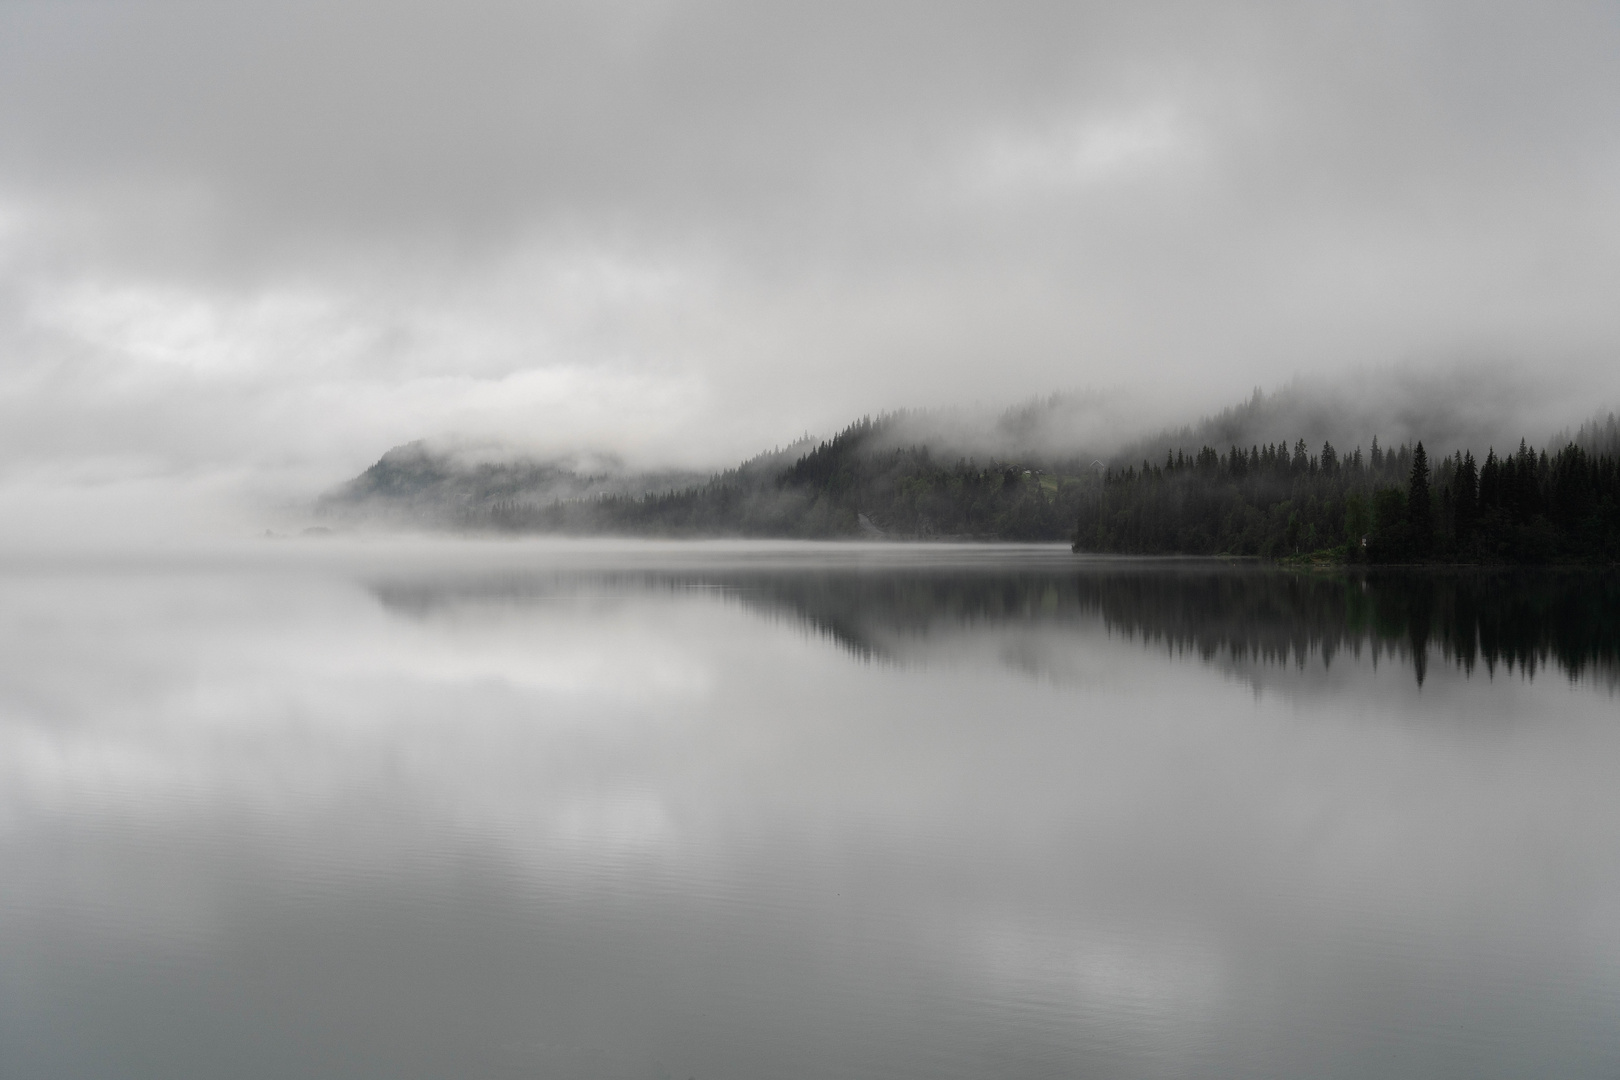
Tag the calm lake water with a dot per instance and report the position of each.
(781, 811)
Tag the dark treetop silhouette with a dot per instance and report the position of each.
(1380, 508)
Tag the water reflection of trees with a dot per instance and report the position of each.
(1510, 622)
(1514, 622)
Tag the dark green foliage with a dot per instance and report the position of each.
(1391, 507)
(1420, 505)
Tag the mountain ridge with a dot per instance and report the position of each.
(914, 474)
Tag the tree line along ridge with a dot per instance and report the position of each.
(1382, 507)
(875, 478)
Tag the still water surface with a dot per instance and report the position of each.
(742, 811)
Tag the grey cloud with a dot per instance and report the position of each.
(784, 215)
(423, 116)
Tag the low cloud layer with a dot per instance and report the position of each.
(249, 248)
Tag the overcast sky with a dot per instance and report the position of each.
(261, 243)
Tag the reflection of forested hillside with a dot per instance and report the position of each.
(1514, 622)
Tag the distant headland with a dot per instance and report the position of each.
(902, 476)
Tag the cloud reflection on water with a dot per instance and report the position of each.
(407, 822)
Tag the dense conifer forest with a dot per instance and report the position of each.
(1382, 507)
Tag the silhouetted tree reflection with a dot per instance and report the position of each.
(1502, 621)
(1515, 622)
(1510, 621)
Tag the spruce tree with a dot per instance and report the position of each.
(1419, 508)
(1330, 459)
(1490, 483)
(1466, 511)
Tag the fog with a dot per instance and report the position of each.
(245, 250)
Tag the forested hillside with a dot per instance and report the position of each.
(854, 484)
(886, 477)
(425, 486)
(1388, 507)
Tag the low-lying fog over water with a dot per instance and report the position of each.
(778, 810)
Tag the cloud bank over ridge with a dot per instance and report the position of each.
(248, 248)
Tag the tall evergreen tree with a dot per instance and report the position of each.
(1330, 459)
(1465, 512)
(1490, 484)
(1419, 507)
